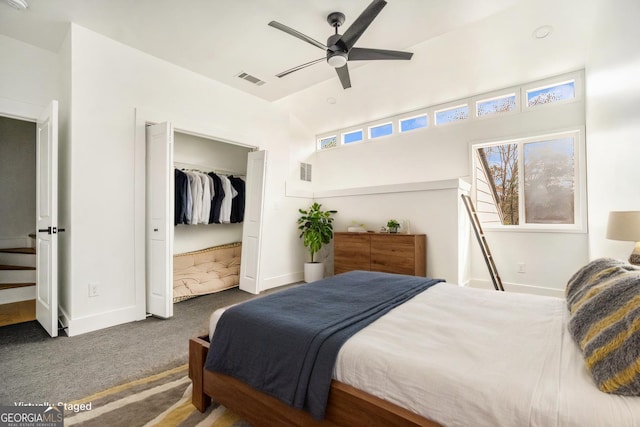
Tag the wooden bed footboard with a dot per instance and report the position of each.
(347, 406)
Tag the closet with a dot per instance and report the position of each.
(209, 197)
(196, 153)
(199, 250)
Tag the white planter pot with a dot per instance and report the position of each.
(313, 271)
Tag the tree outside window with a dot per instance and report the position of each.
(501, 167)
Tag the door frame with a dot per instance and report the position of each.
(144, 116)
(28, 112)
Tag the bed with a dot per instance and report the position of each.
(206, 271)
(464, 357)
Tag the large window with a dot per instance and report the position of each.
(534, 182)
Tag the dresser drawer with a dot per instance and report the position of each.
(351, 252)
(389, 253)
(393, 254)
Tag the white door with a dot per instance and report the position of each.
(159, 236)
(47, 219)
(252, 228)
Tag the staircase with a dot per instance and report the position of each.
(17, 285)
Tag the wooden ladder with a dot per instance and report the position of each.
(484, 246)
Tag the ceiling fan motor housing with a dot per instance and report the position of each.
(337, 53)
(335, 19)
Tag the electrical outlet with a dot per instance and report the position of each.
(522, 267)
(93, 290)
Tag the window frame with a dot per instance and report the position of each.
(352, 131)
(580, 190)
(321, 138)
(377, 125)
(452, 106)
(578, 85)
(503, 93)
(416, 116)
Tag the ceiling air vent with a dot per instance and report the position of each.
(252, 79)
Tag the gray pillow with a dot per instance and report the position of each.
(603, 298)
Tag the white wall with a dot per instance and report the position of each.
(429, 208)
(207, 155)
(17, 180)
(613, 124)
(28, 75)
(110, 82)
(441, 153)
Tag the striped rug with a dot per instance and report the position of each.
(163, 399)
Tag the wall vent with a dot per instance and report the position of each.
(251, 79)
(305, 172)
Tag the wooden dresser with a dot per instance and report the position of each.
(390, 253)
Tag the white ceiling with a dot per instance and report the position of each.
(219, 39)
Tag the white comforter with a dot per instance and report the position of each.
(469, 357)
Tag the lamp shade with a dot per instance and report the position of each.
(624, 225)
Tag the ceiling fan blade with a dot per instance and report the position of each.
(297, 34)
(300, 67)
(364, 54)
(343, 74)
(353, 33)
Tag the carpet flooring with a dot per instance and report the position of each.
(37, 368)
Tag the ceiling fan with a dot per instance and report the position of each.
(340, 48)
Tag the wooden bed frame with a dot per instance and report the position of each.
(347, 406)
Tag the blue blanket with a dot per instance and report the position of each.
(285, 344)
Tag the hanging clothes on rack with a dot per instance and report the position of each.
(208, 198)
(237, 204)
(216, 202)
(229, 194)
(196, 194)
(182, 197)
(207, 189)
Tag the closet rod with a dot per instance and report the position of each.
(204, 168)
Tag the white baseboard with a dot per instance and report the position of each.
(24, 293)
(82, 325)
(285, 279)
(518, 288)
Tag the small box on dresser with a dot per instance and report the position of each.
(389, 253)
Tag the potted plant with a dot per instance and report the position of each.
(316, 229)
(392, 226)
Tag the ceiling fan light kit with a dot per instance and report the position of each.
(340, 47)
(337, 60)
